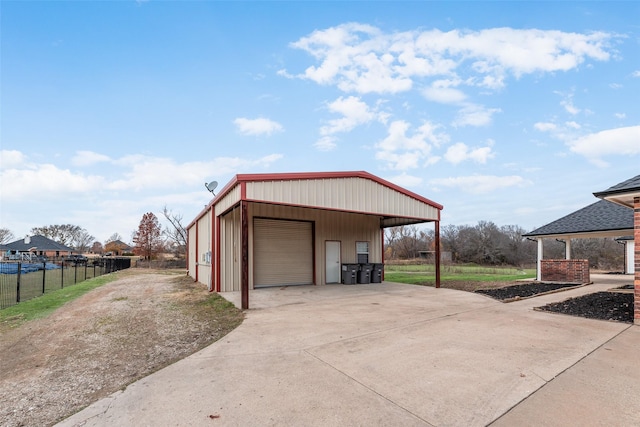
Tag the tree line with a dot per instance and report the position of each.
(489, 244)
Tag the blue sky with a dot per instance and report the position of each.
(511, 112)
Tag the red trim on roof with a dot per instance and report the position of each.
(293, 176)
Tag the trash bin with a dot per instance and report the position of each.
(364, 274)
(376, 273)
(349, 273)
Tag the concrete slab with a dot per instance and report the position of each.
(384, 354)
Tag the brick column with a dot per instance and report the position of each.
(636, 238)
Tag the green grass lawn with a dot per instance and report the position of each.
(424, 274)
(45, 304)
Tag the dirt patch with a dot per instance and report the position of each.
(103, 341)
(614, 306)
(525, 290)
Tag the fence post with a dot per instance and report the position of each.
(75, 273)
(18, 283)
(62, 274)
(44, 274)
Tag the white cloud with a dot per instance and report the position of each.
(620, 115)
(88, 158)
(636, 73)
(569, 107)
(460, 152)
(355, 112)
(45, 181)
(573, 125)
(133, 173)
(615, 86)
(11, 159)
(480, 184)
(474, 115)
(405, 180)
(442, 91)
(623, 141)
(402, 151)
(326, 143)
(258, 126)
(544, 126)
(362, 58)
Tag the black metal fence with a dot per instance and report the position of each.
(21, 281)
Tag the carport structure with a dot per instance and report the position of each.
(616, 215)
(298, 228)
(627, 194)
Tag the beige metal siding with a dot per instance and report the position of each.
(229, 200)
(283, 252)
(348, 228)
(205, 242)
(193, 257)
(350, 194)
(230, 247)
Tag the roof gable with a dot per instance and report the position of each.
(600, 216)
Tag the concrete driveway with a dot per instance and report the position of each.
(393, 354)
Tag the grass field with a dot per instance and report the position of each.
(424, 274)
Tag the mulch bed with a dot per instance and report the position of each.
(615, 306)
(515, 292)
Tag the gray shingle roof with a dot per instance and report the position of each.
(40, 242)
(599, 216)
(628, 186)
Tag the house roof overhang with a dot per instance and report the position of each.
(600, 219)
(623, 193)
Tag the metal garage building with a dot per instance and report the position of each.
(298, 228)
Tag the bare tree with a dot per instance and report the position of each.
(177, 233)
(82, 241)
(6, 235)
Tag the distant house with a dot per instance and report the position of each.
(117, 247)
(36, 246)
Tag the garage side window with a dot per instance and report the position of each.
(362, 252)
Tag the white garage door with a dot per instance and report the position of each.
(283, 252)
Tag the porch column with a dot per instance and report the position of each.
(538, 261)
(567, 248)
(636, 238)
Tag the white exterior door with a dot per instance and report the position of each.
(332, 262)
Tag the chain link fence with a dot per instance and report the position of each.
(21, 281)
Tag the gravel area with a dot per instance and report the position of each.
(103, 341)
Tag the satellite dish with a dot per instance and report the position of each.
(211, 186)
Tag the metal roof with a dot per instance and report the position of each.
(41, 243)
(603, 217)
(344, 191)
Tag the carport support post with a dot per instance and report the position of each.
(244, 243)
(539, 260)
(437, 254)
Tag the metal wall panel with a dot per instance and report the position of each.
(348, 228)
(193, 256)
(228, 201)
(205, 242)
(230, 246)
(350, 194)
